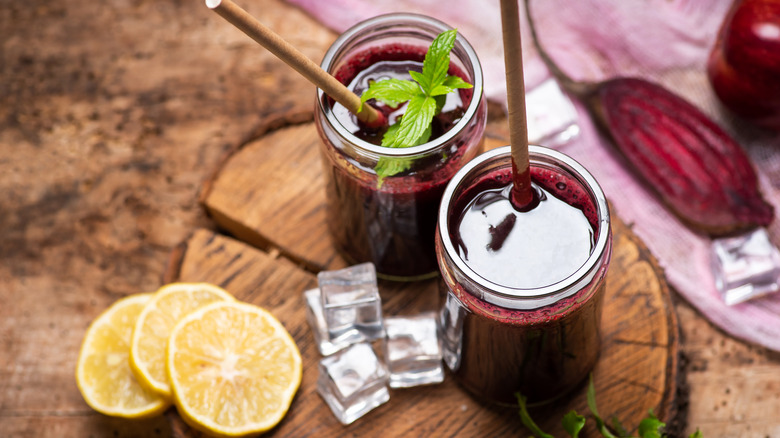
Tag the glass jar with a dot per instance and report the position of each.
(391, 220)
(539, 341)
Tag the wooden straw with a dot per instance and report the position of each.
(295, 59)
(522, 192)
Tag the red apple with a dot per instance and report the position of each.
(744, 64)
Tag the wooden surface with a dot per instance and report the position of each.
(637, 369)
(111, 118)
(269, 192)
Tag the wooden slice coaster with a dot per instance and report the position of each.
(269, 193)
(637, 369)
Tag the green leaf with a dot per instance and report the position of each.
(591, 395)
(650, 426)
(619, 428)
(414, 123)
(441, 90)
(391, 92)
(387, 166)
(425, 136)
(456, 82)
(426, 97)
(440, 101)
(527, 421)
(422, 81)
(390, 135)
(573, 423)
(600, 425)
(437, 60)
(696, 434)
(389, 140)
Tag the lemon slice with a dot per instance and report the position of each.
(234, 369)
(103, 371)
(150, 335)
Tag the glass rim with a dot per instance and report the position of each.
(406, 19)
(508, 296)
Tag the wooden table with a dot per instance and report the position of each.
(112, 116)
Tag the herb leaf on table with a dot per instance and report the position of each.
(525, 417)
(650, 426)
(573, 423)
(600, 425)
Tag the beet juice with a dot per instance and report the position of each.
(391, 221)
(524, 289)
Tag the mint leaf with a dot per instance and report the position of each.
(415, 122)
(387, 166)
(650, 426)
(437, 60)
(619, 428)
(456, 82)
(441, 90)
(391, 92)
(573, 423)
(390, 138)
(449, 85)
(390, 135)
(527, 421)
(591, 395)
(600, 425)
(422, 80)
(440, 101)
(426, 96)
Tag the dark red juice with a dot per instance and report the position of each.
(543, 352)
(394, 61)
(392, 223)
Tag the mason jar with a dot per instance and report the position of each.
(532, 326)
(390, 218)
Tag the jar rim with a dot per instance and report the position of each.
(406, 19)
(513, 297)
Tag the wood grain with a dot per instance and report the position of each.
(282, 212)
(637, 369)
(105, 143)
(269, 193)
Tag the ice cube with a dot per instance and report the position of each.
(350, 301)
(352, 382)
(413, 351)
(745, 266)
(325, 344)
(552, 118)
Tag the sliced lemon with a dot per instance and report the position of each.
(234, 369)
(150, 335)
(103, 371)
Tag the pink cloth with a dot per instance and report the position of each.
(667, 41)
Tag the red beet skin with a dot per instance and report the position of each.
(694, 166)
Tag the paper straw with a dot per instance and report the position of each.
(522, 192)
(295, 59)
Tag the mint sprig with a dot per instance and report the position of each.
(600, 424)
(422, 93)
(573, 423)
(528, 422)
